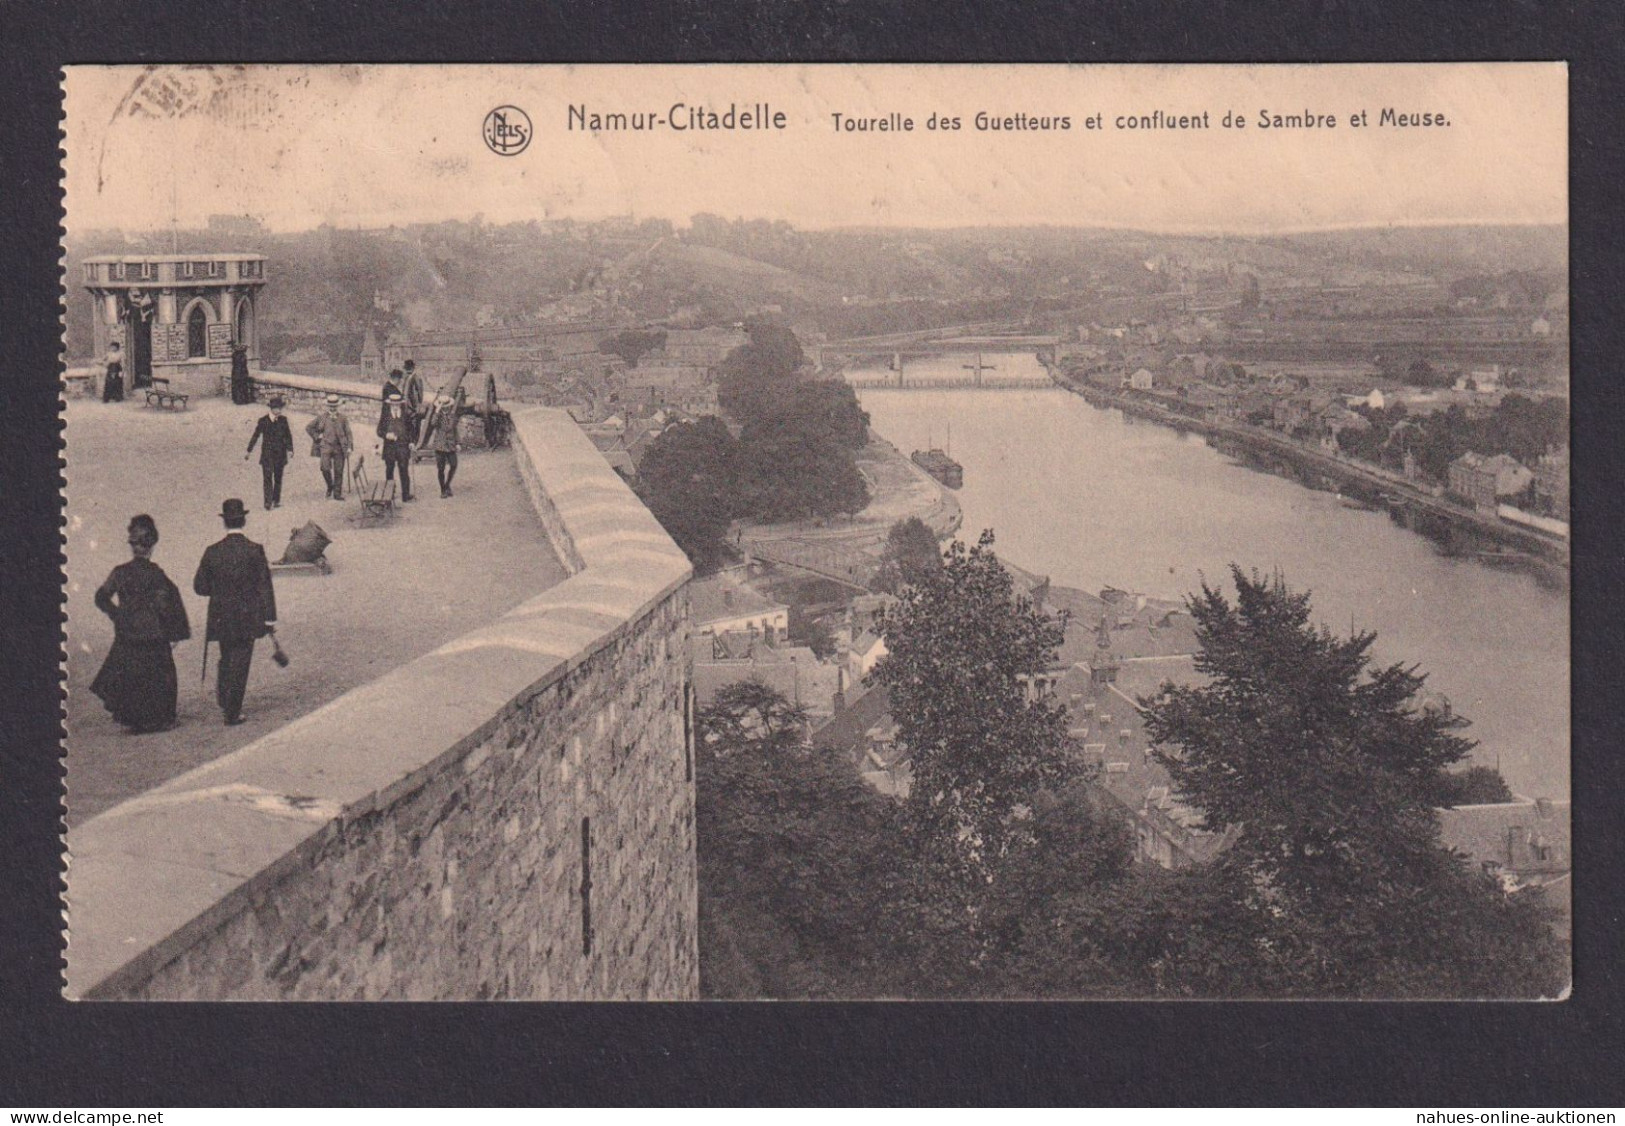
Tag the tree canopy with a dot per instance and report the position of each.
(788, 473)
(826, 410)
(1328, 772)
(1318, 756)
(910, 555)
(793, 459)
(795, 856)
(962, 648)
(1008, 873)
(689, 479)
(756, 379)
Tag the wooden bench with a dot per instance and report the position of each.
(159, 395)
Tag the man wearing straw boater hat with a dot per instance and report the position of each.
(235, 577)
(445, 442)
(398, 427)
(331, 441)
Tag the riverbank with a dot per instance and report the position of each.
(848, 550)
(1459, 531)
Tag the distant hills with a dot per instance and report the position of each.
(327, 285)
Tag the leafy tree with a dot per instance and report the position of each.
(748, 715)
(962, 647)
(796, 855)
(688, 478)
(910, 555)
(632, 344)
(814, 633)
(756, 380)
(828, 410)
(1443, 438)
(1527, 428)
(787, 474)
(1477, 785)
(1522, 427)
(1328, 774)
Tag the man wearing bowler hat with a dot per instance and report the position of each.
(235, 577)
(275, 452)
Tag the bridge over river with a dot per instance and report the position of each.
(919, 360)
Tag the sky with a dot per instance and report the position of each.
(371, 146)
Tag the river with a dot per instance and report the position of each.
(1094, 499)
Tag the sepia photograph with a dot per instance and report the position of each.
(816, 532)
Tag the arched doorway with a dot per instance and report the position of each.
(243, 329)
(138, 318)
(197, 333)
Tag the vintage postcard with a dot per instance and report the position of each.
(693, 532)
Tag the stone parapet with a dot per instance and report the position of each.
(510, 816)
(310, 392)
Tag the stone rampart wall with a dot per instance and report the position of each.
(309, 392)
(510, 816)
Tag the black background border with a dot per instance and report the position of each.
(55, 1054)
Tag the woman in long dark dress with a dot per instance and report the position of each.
(242, 384)
(137, 681)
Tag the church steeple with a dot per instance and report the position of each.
(372, 356)
(1103, 668)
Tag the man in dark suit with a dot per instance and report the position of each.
(398, 427)
(236, 579)
(275, 452)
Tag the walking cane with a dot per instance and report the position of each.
(203, 673)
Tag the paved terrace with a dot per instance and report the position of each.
(397, 591)
(425, 835)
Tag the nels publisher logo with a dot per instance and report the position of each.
(507, 130)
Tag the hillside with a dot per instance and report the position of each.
(327, 285)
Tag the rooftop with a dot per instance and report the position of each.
(1506, 831)
(724, 597)
(231, 256)
(1106, 720)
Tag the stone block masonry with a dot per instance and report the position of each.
(309, 392)
(511, 816)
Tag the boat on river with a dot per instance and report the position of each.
(942, 467)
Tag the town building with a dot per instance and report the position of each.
(1525, 844)
(1481, 480)
(176, 316)
(1552, 481)
(793, 671)
(726, 603)
(703, 348)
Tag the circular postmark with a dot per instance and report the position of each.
(507, 130)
